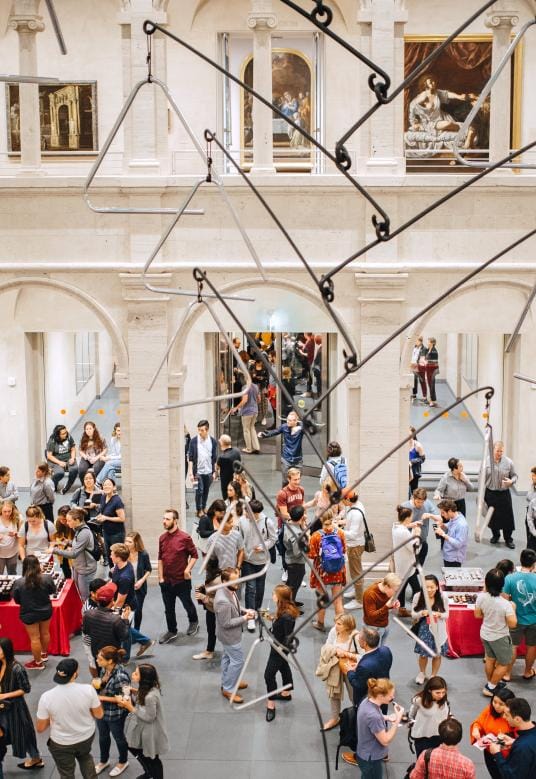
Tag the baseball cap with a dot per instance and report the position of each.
(65, 670)
(349, 494)
(106, 593)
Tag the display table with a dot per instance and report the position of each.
(66, 620)
(463, 630)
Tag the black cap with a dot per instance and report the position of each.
(65, 670)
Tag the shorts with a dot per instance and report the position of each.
(527, 632)
(499, 650)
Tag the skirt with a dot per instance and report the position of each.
(503, 514)
(425, 634)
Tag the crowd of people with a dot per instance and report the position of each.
(235, 537)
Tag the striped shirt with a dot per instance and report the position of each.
(226, 549)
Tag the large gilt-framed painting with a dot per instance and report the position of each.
(437, 103)
(292, 93)
(68, 115)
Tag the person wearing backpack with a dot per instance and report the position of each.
(327, 549)
(82, 552)
(335, 466)
(446, 761)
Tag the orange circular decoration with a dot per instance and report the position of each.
(63, 411)
(82, 411)
(426, 413)
(464, 414)
(446, 414)
(485, 415)
(118, 412)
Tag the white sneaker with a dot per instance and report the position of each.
(284, 576)
(353, 604)
(251, 625)
(420, 678)
(304, 584)
(348, 594)
(263, 422)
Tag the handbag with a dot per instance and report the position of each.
(345, 664)
(370, 545)
(417, 625)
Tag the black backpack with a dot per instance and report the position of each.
(427, 756)
(347, 732)
(97, 552)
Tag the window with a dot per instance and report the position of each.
(470, 359)
(84, 356)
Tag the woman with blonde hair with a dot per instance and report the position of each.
(36, 533)
(374, 733)
(9, 529)
(282, 628)
(322, 503)
(141, 562)
(343, 644)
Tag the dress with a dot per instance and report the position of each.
(314, 553)
(424, 632)
(21, 733)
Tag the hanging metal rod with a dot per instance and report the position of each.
(56, 25)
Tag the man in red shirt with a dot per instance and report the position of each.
(177, 556)
(289, 496)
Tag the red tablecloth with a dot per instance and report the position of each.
(464, 634)
(66, 620)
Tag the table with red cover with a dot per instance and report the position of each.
(66, 620)
(464, 633)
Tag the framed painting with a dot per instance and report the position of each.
(438, 102)
(292, 91)
(68, 116)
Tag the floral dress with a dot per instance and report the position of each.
(314, 553)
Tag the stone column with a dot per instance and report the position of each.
(382, 33)
(262, 21)
(500, 20)
(153, 481)
(27, 22)
(146, 124)
(384, 400)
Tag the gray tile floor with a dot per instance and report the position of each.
(208, 738)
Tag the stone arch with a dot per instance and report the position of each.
(418, 327)
(108, 322)
(338, 14)
(309, 295)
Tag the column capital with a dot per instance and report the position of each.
(260, 20)
(132, 10)
(26, 23)
(368, 10)
(497, 18)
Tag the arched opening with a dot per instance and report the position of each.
(63, 352)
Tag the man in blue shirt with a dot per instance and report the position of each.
(422, 509)
(291, 452)
(521, 761)
(457, 537)
(520, 588)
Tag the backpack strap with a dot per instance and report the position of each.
(427, 756)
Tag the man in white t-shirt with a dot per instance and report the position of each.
(70, 711)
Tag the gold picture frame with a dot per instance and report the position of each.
(437, 103)
(68, 117)
(293, 90)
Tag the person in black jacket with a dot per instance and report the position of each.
(282, 628)
(205, 529)
(202, 464)
(141, 562)
(32, 592)
(105, 627)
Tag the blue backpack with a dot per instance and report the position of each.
(340, 472)
(331, 553)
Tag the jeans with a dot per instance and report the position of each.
(421, 744)
(232, 661)
(415, 585)
(370, 769)
(211, 630)
(108, 470)
(66, 755)
(110, 539)
(296, 572)
(58, 472)
(115, 728)
(276, 663)
(285, 465)
(10, 563)
(204, 480)
(182, 591)
(138, 614)
(85, 465)
(82, 581)
(152, 766)
(254, 587)
(450, 564)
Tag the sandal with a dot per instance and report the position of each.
(319, 626)
(532, 674)
(327, 727)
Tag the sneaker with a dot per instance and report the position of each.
(33, 666)
(193, 629)
(168, 636)
(353, 604)
(145, 647)
(44, 657)
(263, 421)
(349, 758)
(251, 625)
(488, 691)
(348, 594)
(203, 656)
(420, 678)
(118, 769)
(100, 767)
(284, 576)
